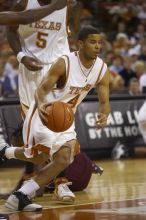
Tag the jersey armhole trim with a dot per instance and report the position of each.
(67, 70)
(98, 79)
(65, 57)
(67, 23)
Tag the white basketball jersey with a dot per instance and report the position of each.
(46, 38)
(77, 83)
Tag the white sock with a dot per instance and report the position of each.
(10, 152)
(30, 187)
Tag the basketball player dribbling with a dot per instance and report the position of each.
(74, 75)
(37, 45)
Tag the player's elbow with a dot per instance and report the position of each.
(24, 21)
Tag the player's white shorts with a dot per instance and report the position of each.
(38, 138)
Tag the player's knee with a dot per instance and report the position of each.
(64, 162)
(63, 157)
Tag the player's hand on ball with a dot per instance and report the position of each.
(101, 120)
(31, 63)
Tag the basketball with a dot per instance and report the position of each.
(60, 116)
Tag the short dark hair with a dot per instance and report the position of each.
(85, 31)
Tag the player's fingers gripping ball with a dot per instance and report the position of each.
(58, 116)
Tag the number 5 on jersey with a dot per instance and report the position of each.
(41, 39)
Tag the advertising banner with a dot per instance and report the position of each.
(122, 125)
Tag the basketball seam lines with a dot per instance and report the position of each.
(64, 115)
(53, 117)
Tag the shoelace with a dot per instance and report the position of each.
(65, 186)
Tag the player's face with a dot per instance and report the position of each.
(92, 46)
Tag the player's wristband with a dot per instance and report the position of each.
(20, 55)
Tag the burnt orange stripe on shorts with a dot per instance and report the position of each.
(29, 124)
(24, 109)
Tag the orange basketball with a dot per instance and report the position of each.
(60, 116)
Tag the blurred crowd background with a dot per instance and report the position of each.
(123, 28)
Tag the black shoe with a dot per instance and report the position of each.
(21, 202)
(3, 147)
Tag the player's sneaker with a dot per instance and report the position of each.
(3, 147)
(20, 202)
(62, 194)
(97, 170)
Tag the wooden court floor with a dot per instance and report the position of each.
(119, 194)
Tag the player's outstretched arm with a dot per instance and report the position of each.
(74, 10)
(104, 105)
(32, 15)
